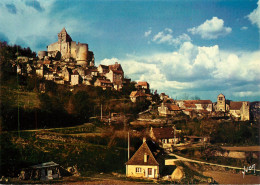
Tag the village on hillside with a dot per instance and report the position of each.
(166, 143)
(71, 63)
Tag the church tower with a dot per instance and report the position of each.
(221, 103)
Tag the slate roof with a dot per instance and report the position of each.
(235, 105)
(138, 157)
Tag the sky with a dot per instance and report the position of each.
(184, 48)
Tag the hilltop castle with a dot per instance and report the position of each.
(67, 50)
(71, 63)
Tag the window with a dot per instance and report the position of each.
(138, 170)
(220, 98)
(150, 171)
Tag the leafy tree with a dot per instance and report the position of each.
(82, 104)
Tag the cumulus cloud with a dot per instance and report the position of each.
(167, 37)
(211, 29)
(198, 69)
(254, 16)
(244, 28)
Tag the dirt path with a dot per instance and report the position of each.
(202, 162)
(230, 178)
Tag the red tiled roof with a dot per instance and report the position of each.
(138, 157)
(198, 101)
(142, 83)
(235, 105)
(172, 107)
(105, 81)
(189, 110)
(46, 62)
(75, 72)
(163, 133)
(118, 71)
(187, 105)
(137, 93)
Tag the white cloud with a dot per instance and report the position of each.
(254, 16)
(167, 37)
(244, 28)
(211, 29)
(147, 33)
(196, 69)
(246, 93)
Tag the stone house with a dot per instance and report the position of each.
(143, 163)
(30, 70)
(48, 75)
(116, 77)
(163, 96)
(105, 84)
(165, 136)
(66, 74)
(137, 96)
(48, 63)
(103, 69)
(92, 72)
(167, 109)
(75, 78)
(239, 110)
(196, 105)
(143, 86)
(40, 70)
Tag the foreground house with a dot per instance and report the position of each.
(143, 163)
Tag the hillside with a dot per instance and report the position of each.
(90, 148)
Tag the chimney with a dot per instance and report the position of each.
(144, 139)
(145, 157)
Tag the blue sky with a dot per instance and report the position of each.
(182, 47)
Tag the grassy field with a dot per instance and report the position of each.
(91, 149)
(25, 99)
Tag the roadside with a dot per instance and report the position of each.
(231, 178)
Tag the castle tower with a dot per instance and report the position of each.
(63, 36)
(221, 103)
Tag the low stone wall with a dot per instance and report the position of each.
(237, 154)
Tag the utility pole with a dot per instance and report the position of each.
(128, 148)
(101, 112)
(174, 136)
